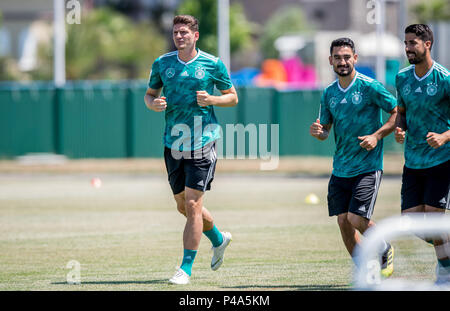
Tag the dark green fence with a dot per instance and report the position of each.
(93, 121)
(26, 119)
(109, 120)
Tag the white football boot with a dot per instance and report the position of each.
(180, 278)
(219, 251)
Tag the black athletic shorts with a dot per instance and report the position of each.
(194, 169)
(354, 194)
(430, 186)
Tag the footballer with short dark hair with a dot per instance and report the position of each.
(423, 123)
(186, 78)
(352, 104)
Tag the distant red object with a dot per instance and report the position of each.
(96, 182)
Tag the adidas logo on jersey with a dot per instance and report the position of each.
(344, 101)
(184, 74)
(418, 90)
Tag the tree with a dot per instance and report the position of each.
(432, 10)
(6, 73)
(8, 68)
(287, 20)
(106, 45)
(206, 13)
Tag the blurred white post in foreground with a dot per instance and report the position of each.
(367, 273)
(59, 44)
(223, 31)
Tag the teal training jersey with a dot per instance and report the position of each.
(355, 111)
(189, 126)
(427, 104)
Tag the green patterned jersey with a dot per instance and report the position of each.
(189, 126)
(427, 104)
(355, 111)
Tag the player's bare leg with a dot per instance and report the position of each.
(415, 209)
(438, 243)
(208, 221)
(194, 219)
(427, 209)
(418, 209)
(193, 203)
(349, 224)
(349, 235)
(360, 223)
(220, 240)
(441, 245)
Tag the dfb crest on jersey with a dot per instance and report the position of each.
(199, 72)
(431, 89)
(333, 101)
(170, 72)
(357, 98)
(406, 90)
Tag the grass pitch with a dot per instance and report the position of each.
(127, 234)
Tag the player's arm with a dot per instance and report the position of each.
(228, 98)
(319, 131)
(400, 125)
(437, 140)
(153, 101)
(369, 142)
(400, 121)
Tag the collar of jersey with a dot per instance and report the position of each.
(192, 60)
(426, 75)
(349, 86)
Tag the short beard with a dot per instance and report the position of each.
(349, 72)
(417, 59)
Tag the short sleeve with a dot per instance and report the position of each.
(382, 97)
(154, 81)
(400, 102)
(325, 116)
(221, 77)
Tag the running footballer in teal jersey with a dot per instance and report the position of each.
(186, 79)
(179, 81)
(355, 113)
(353, 105)
(423, 123)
